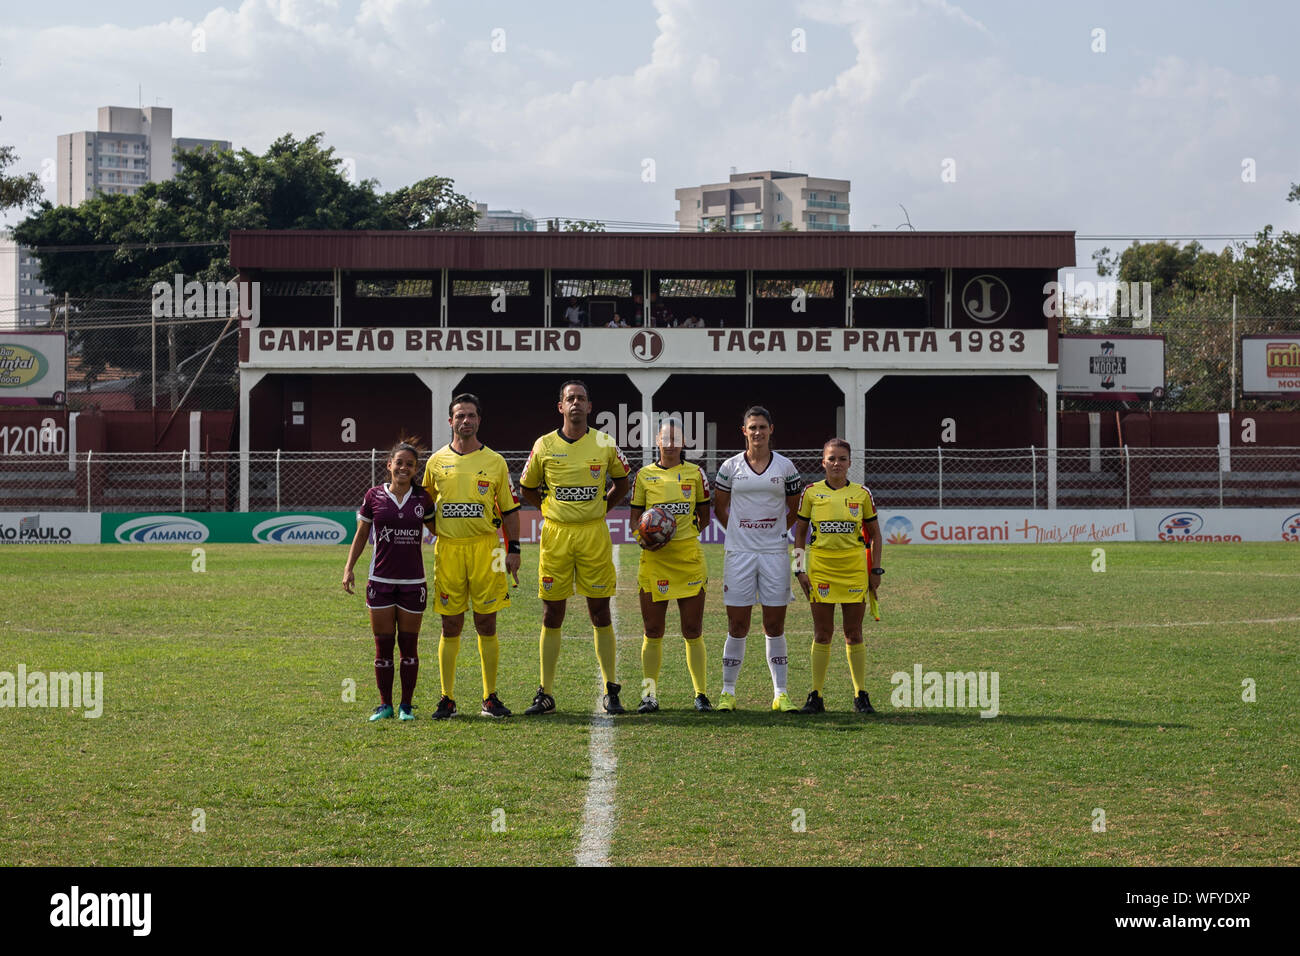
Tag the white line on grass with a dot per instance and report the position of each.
(1101, 625)
(598, 814)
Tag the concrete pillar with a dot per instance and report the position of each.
(247, 382)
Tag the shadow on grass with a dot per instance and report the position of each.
(833, 720)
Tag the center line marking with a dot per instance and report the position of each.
(598, 814)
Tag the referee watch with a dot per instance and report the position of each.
(877, 570)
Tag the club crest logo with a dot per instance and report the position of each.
(853, 509)
(419, 511)
(547, 582)
(444, 598)
(483, 486)
(662, 585)
(823, 590)
(687, 491)
(595, 472)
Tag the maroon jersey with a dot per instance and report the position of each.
(396, 532)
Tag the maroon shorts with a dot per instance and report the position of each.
(409, 597)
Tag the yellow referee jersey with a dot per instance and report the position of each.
(471, 492)
(679, 489)
(836, 516)
(572, 474)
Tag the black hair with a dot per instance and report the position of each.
(837, 442)
(466, 398)
(755, 411)
(406, 443)
(574, 381)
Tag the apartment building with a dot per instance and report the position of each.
(769, 199)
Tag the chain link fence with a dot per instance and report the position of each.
(122, 357)
(918, 478)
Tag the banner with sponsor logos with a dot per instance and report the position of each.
(1004, 526)
(49, 527)
(33, 365)
(934, 526)
(1270, 366)
(1218, 524)
(1112, 367)
(312, 527)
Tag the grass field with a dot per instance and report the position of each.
(224, 692)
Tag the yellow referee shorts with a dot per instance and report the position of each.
(464, 572)
(838, 577)
(673, 572)
(575, 555)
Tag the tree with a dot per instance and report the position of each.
(1194, 291)
(1160, 263)
(16, 192)
(430, 204)
(294, 185)
(583, 225)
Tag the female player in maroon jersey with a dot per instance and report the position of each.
(392, 517)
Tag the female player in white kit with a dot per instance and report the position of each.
(756, 498)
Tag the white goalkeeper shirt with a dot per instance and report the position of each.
(757, 516)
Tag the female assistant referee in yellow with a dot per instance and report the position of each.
(675, 570)
(836, 520)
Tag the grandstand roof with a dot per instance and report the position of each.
(312, 250)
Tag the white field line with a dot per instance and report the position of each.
(598, 814)
(1099, 625)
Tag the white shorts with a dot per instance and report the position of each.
(750, 578)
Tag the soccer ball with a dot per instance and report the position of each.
(657, 525)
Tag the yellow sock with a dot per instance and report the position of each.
(489, 651)
(697, 663)
(857, 666)
(448, 649)
(606, 651)
(821, 660)
(550, 651)
(652, 659)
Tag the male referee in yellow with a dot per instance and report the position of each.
(566, 477)
(470, 487)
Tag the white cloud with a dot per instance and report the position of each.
(886, 91)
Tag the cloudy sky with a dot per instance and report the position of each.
(1108, 118)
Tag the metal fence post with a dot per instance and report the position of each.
(1033, 465)
(1128, 481)
(940, 451)
(277, 479)
(373, 452)
(1220, 481)
(88, 457)
(182, 481)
